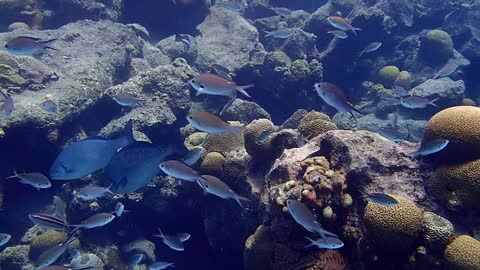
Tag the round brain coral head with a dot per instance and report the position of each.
(461, 126)
(314, 124)
(463, 254)
(256, 144)
(393, 229)
(457, 186)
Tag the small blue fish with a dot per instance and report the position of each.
(414, 102)
(175, 241)
(128, 100)
(328, 243)
(50, 255)
(89, 155)
(281, 11)
(280, 34)
(24, 45)
(49, 106)
(264, 136)
(36, 180)
(217, 187)
(431, 147)
(333, 96)
(160, 265)
(371, 48)
(135, 260)
(179, 170)
(4, 238)
(380, 198)
(7, 108)
(92, 193)
(230, 5)
(97, 220)
(303, 216)
(393, 134)
(338, 34)
(193, 155)
(185, 41)
(119, 209)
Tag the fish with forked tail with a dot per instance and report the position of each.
(213, 84)
(211, 123)
(24, 45)
(333, 96)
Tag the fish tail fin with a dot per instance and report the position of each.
(108, 189)
(128, 132)
(47, 43)
(15, 174)
(236, 130)
(355, 29)
(241, 89)
(239, 200)
(268, 33)
(161, 233)
(432, 102)
(311, 242)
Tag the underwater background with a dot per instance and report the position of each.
(239, 134)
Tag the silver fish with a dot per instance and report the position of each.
(49, 222)
(264, 136)
(303, 216)
(211, 123)
(217, 187)
(62, 267)
(36, 180)
(119, 209)
(135, 260)
(185, 41)
(7, 108)
(4, 238)
(339, 34)
(221, 71)
(97, 220)
(193, 155)
(24, 45)
(371, 47)
(175, 242)
(160, 265)
(92, 193)
(230, 5)
(446, 70)
(475, 32)
(128, 100)
(50, 255)
(281, 33)
(60, 208)
(49, 106)
(380, 198)
(414, 102)
(281, 11)
(342, 24)
(179, 170)
(213, 84)
(431, 147)
(393, 134)
(328, 243)
(333, 96)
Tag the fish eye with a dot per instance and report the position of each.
(192, 80)
(201, 86)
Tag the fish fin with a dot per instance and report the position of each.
(268, 33)
(432, 102)
(198, 93)
(311, 242)
(236, 130)
(361, 53)
(128, 132)
(161, 235)
(237, 199)
(47, 44)
(200, 183)
(108, 189)
(15, 174)
(241, 89)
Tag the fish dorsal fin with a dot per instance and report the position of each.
(95, 138)
(34, 38)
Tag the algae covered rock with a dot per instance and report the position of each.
(244, 112)
(259, 249)
(393, 229)
(463, 254)
(255, 147)
(212, 163)
(461, 127)
(457, 186)
(14, 257)
(437, 47)
(387, 75)
(18, 25)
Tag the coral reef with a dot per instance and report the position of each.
(457, 186)
(255, 148)
(437, 47)
(437, 231)
(387, 75)
(244, 112)
(213, 163)
(393, 228)
(15, 257)
(45, 240)
(462, 254)
(461, 127)
(259, 248)
(314, 124)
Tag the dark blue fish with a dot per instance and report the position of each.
(380, 198)
(7, 108)
(134, 166)
(24, 45)
(49, 106)
(185, 41)
(89, 155)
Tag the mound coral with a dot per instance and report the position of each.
(255, 147)
(314, 124)
(259, 249)
(437, 47)
(404, 80)
(195, 139)
(393, 229)
(236, 163)
(213, 163)
(461, 127)
(462, 254)
(468, 102)
(223, 143)
(387, 75)
(45, 240)
(457, 186)
(437, 231)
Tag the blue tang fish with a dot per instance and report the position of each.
(134, 166)
(86, 156)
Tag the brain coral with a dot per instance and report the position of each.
(387, 75)
(458, 186)
(223, 143)
(314, 124)
(437, 231)
(459, 125)
(463, 254)
(393, 228)
(44, 241)
(259, 249)
(253, 132)
(213, 163)
(437, 46)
